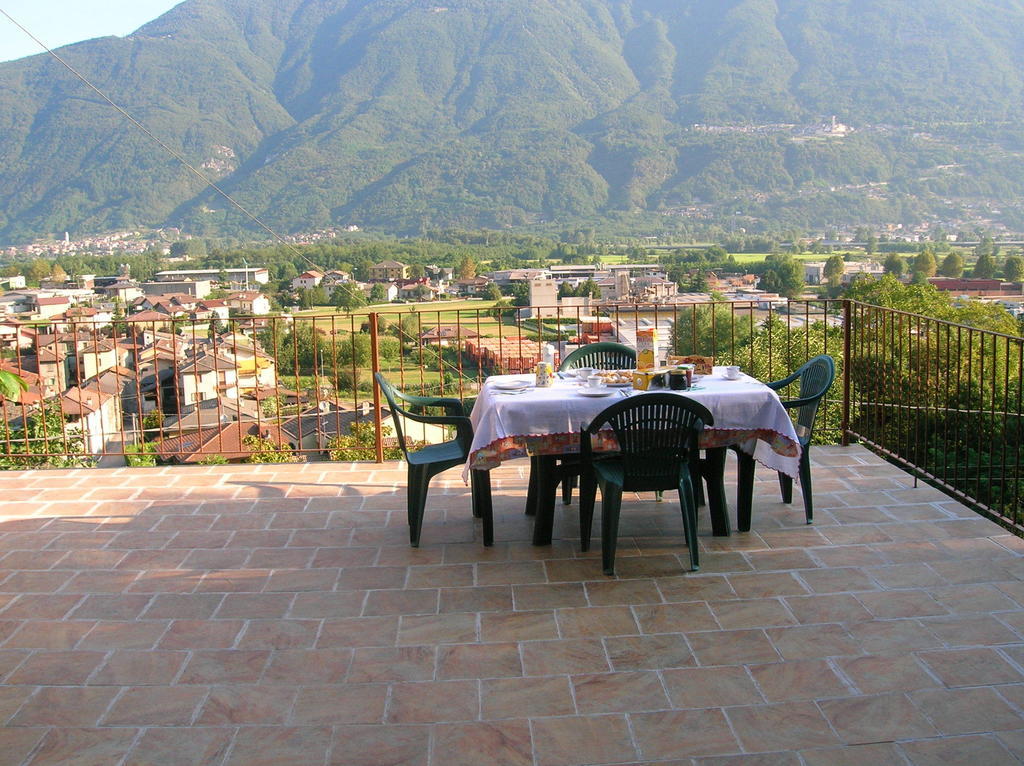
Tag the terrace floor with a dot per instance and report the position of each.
(277, 615)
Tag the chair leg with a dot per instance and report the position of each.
(744, 490)
(567, 485)
(688, 506)
(698, 482)
(482, 506)
(418, 481)
(713, 470)
(805, 486)
(786, 486)
(611, 504)
(547, 488)
(588, 496)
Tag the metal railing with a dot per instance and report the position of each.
(942, 400)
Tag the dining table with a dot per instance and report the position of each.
(513, 418)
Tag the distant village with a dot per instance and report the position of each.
(177, 362)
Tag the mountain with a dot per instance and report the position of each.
(400, 115)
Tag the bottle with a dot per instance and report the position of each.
(544, 374)
(548, 355)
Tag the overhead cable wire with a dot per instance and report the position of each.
(162, 144)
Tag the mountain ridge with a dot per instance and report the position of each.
(402, 115)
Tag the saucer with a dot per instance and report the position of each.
(587, 391)
(511, 385)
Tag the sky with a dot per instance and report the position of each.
(59, 22)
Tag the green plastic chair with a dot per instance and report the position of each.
(428, 461)
(605, 355)
(816, 377)
(657, 435)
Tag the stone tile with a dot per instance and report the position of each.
(532, 697)
(247, 704)
(575, 741)
(359, 631)
(224, 666)
(308, 666)
(65, 706)
(782, 726)
(84, 747)
(340, 704)
(724, 686)
(137, 668)
(433, 702)
(53, 668)
(518, 626)
(279, 746)
(966, 711)
(730, 647)
(155, 706)
(16, 744)
(877, 674)
(573, 656)
(437, 629)
(682, 733)
(279, 634)
(186, 745)
(675, 618)
(971, 749)
(853, 755)
(406, 663)
(882, 718)
(201, 634)
(378, 745)
(550, 595)
(46, 634)
(759, 613)
(970, 667)
(808, 641)
(497, 598)
(596, 621)
(479, 661)
(654, 652)
(798, 680)
(619, 692)
(470, 744)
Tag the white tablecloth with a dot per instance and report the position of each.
(505, 424)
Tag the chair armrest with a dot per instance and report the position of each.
(463, 426)
(775, 385)
(452, 407)
(791, 404)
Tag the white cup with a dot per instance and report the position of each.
(582, 373)
(595, 381)
(732, 372)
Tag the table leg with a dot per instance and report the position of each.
(544, 467)
(745, 490)
(480, 482)
(531, 490)
(713, 469)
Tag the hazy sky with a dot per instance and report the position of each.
(59, 22)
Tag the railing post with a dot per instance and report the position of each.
(847, 335)
(378, 426)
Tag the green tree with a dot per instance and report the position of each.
(985, 266)
(348, 297)
(924, 265)
(378, 293)
(835, 267)
(895, 265)
(1013, 269)
(492, 292)
(42, 441)
(952, 265)
(783, 275)
(263, 450)
(466, 267)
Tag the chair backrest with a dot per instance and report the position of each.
(605, 355)
(393, 396)
(656, 434)
(816, 378)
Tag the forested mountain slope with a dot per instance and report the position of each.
(401, 115)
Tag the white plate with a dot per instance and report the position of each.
(511, 385)
(620, 385)
(595, 391)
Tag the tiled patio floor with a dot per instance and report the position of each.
(276, 615)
